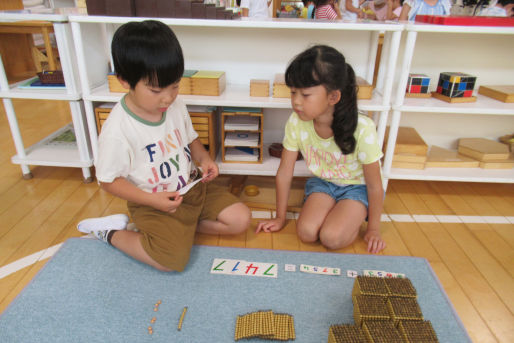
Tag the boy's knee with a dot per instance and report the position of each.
(239, 218)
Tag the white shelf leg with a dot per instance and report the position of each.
(16, 135)
(91, 125)
(82, 138)
(391, 142)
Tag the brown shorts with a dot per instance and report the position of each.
(168, 237)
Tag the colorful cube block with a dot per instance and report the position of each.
(456, 85)
(418, 83)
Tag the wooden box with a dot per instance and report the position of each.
(259, 88)
(205, 124)
(365, 89)
(115, 85)
(206, 82)
(185, 86)
(483, 149)
(280, 89)
(245, 125)
(101, 113)
(501, 93)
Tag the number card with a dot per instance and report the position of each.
(319, 270)
(227, 266)
(384, 274)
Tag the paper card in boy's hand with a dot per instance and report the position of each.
(240, 267)
(187, 187)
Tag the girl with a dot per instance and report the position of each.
(327, 9)
(411, 8)
(340, 148)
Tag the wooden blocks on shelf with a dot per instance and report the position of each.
(242, 135)
(483, 149)
(410, 151)
(185, 86)
(115, 85)
(208, 82)
(205, 123)
(490, 154)
(500, 93)
(280, 89)
(444, 158)
(259, 88)
(365, 89)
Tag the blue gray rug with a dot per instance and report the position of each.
(90, 292)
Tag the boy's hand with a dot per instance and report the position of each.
(166, 201)
(210, 170)
(374, 240)
(270, 225)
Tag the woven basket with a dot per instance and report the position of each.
(52, 77)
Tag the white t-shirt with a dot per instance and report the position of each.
(155, 157)
(256, 8)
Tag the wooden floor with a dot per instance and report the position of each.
(474, 261)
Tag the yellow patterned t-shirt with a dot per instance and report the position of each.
(324, 158)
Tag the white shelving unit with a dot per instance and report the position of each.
(245, 49)
(44, 153)
(485, 52)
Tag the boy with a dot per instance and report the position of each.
(146, 151)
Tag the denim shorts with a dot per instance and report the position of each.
(353, 192)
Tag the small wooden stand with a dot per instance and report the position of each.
(418, 95)
(454, 100)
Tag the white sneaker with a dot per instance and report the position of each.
(108, 223)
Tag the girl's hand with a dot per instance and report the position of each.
(375, 242)
(166, 201)
(271, 225)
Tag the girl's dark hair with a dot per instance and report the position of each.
(147, 50)
(324, 65)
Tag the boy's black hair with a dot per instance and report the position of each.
(324, 65)
(147, 50)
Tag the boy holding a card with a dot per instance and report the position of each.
(146, 151)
